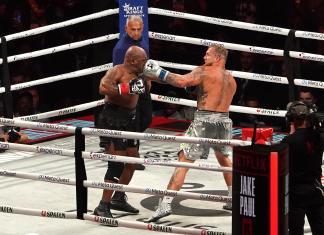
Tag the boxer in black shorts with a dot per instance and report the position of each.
(121, 86)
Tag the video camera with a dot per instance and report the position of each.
(303, 110)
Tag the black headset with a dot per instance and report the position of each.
(297, 110)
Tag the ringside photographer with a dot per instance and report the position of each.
(306, 193)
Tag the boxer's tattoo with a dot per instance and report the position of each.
(225, 82)
(197, 74)
(202, 94)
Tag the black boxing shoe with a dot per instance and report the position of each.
(119, 202)
(103, 210)
(139, 167)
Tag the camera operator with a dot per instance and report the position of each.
(306, 195)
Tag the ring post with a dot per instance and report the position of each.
(292, 66)
(7, 96)
(80, 174)
(260, 190)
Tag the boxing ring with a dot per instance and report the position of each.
(88, 161)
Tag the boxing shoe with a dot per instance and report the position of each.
(103, 209)
(163, 210)
(119, 202)
(139, 167)
(227, 206)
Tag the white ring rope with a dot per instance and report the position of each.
(235, 24)
(150, 226)
(309, 83)
(115, 187)
(35, 212)
(101, 68)
(61, 112)
(160, 162)
(114, 158)
(206, 42)
(56, 78)
(65, 47)
(234, 46)
(160, 98)
(107, 221)
(63, 24)
(121, 134)
(233, 108)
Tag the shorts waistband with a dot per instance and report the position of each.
(118, 108)
(208, 111)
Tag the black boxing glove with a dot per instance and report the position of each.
(135, 86)
(14, 135)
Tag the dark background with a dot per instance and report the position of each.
(20, 15)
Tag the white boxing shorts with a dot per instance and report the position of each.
(208, 124)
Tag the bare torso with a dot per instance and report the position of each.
(108, 87)
(216, 89)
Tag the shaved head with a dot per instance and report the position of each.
(135, 52)
(135, 58)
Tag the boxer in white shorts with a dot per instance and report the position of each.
(215, 88)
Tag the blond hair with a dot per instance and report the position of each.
(220, 50)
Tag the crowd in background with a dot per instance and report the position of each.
(20, 15)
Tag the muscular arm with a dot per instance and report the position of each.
(190, 79)
(108, 83)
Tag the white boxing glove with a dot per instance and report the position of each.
(152, 68)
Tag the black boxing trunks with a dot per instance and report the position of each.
(115, 117)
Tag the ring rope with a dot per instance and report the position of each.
(115, 187)
(235, 24)
(63, 24)
(107, 221)
(35, 212)
(150, 226)
(60, 48)
(114, 158)
(233, 108)
(160, 98)
(56, 78)
(121, 134)
(237, 47)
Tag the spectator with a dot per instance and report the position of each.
(248, 120)
(309, 97)
(23, 104)
(20, 78)
(246, 87)
(170, 110)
